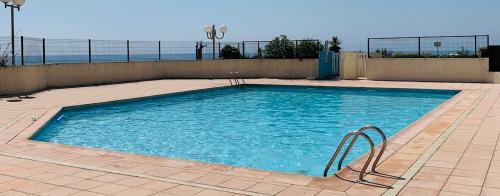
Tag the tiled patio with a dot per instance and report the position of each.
(451, 151)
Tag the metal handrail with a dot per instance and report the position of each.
(356, 134)
(381, 152)
(230, 78)
(235, 77)
(384, 143)
(353, 141)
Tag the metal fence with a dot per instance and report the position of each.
(30, 50)
(428, 47)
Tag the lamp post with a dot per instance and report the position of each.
(16, 4)
(212, 34)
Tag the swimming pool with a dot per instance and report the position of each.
(292, 129)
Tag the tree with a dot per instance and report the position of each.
(280, 48)
(308, 48)
(335, 44)
(230, 52)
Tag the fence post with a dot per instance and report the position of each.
(258, 49)
(419, 48)
(296, 44)
(90, 51)
(159, 50)
(488, 41)
(128, 51)
(243, 44)
(43, 51)
(22, 50)
(475, 44)
(368, 48)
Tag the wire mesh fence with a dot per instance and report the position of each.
(30, 50)
(108, 51)
(428, 47)
(67, 51)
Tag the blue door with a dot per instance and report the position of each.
(328, 65)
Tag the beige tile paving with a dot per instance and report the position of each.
(467, 162)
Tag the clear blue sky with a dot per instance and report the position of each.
(352, 20)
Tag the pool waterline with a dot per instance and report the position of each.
(284, 140)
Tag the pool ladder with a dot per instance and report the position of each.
(355, 135)
(236, 79)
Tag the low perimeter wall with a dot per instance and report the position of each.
(32, 78)
(430, 69)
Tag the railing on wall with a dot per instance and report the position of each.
(428, 47)
(361, 65)
(58, 51)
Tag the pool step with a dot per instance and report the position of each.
(355, 135)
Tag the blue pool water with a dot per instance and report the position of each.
(278, 128)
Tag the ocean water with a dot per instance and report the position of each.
(277, 128)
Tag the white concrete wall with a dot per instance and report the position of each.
(430, 69)
(31, 78)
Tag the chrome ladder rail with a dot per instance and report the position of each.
(356, 134)
(236, 79)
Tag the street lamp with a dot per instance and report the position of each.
(16, 4)
(212, 34)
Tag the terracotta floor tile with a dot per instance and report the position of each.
(132, 181)
(238, 183)
(157, 185)
(186, 176)
(466, 180)
(424, 184)
(36, 188)
(298, 191)
(331, 193)
(431, 177)
(86, 193)
(13, 193)
(418, 191)
(15, 184)
(460, 188)
(265, 188)
(446, 193)
(163, 172)
(490, 191)
(45, 177)
(473, 166)
(86, 184)
(469, 173)
(64, 180)
(63, 191)
(182, 190)
(436, 170)
(213, 193)
(87, 174)
(108, 189)
(491, 183)
(136, 192)
(109, 177)
(212, 179)
(4, 178)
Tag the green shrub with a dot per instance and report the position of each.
(280, 48)
(308, 49)
(4, 56)
(230, 52)
(382, 53)
(483, 52)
